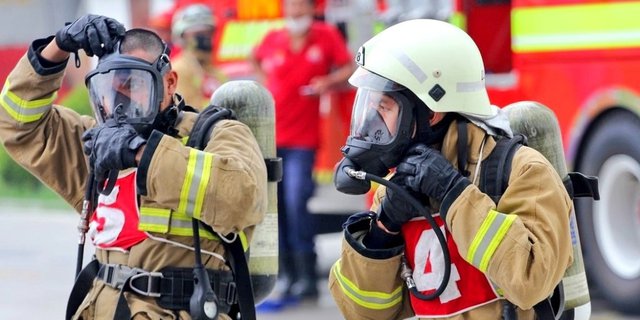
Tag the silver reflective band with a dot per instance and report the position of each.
(27, 111)
(470, 86)
(411, 65)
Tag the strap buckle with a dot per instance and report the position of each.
(115, 275)
(152, 289)
(232, 297)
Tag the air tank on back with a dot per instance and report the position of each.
(540, 125)
(254, 106)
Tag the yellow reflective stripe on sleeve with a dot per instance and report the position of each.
(182, 225)
(24, 111)
(188, 178)
(202, 184)
(488, 237)
(576, 27)
(244, 241)
(170, 222)
(154, 219)
(368, 299)
(184, 140)
(195, 183)
(497, 289)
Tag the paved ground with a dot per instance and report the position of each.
(38, 256)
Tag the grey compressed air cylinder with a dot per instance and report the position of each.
(540, 125)
(254, 106)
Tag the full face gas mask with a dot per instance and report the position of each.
(382, 125)
(130, 84)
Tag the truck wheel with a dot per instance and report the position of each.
(610, 228)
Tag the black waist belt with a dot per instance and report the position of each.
(172, 287)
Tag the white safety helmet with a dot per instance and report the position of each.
(435, 60)
(406, 72)
(191, 16)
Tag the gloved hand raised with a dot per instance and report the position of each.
(395, 210)
(95, 34)
(428, 172)
(111, 146)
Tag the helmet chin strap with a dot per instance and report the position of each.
(425, 132)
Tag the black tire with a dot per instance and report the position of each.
(608, 228)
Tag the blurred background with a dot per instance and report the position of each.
(581, 58)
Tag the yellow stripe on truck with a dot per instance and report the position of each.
(576, 27)
(240, 37)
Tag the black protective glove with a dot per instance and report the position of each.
(395, 210)
(425, 170)
(95, 34)
(111, 146)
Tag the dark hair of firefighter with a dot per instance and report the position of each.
(142, 39)
(149, 41)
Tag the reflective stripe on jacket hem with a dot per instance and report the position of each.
(368, 299)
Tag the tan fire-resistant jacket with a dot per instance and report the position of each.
(46, 139)
(527, 263)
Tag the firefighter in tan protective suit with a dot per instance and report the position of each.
(192, 28)
(142, 230)
(422, 108)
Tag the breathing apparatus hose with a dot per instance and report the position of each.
(406, 272)
(83, 225)
(203, 304)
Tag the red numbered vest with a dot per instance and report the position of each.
(114, 224)
(468, 288)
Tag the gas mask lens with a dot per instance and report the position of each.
(376, 116)
(130, 89)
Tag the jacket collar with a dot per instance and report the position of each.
(475, 138)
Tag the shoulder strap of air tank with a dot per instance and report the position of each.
(198, 139)
(495, 171)
(494, 180)
(207, 119)
(201, 132)
(82, 286)
(244, 286)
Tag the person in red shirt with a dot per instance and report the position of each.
(298, 63)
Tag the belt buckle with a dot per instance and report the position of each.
(231, 293)
(148, 292)
(115, 275)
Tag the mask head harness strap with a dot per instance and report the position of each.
(379, 158)
(144, 120)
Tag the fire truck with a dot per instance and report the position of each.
(581, 58)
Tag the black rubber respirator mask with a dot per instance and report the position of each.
(131, 84)
(382, 125)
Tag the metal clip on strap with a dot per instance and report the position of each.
(115, 275)
(152, 287)
(232, 297)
